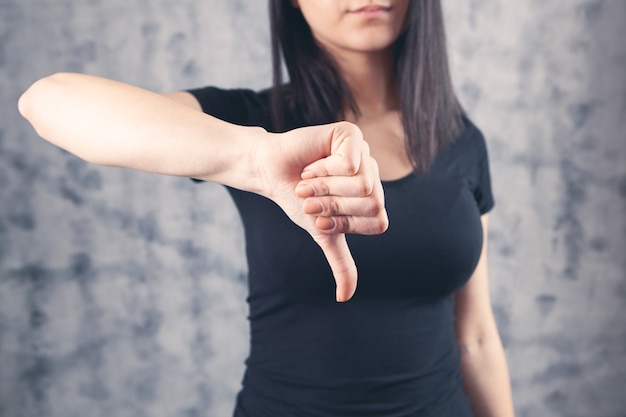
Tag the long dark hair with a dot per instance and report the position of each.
(431, 114)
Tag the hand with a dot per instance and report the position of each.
(325, 180)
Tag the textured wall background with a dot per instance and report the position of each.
(122, 293)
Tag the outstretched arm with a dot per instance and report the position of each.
(321, 176)
(110, 123)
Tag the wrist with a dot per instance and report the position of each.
(250, 163)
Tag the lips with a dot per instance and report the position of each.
(371, 8)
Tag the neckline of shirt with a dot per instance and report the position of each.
(398, 181)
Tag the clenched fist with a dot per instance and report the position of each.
(325, 180)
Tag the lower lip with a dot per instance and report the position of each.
(373, 12)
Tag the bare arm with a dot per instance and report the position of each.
(110, 123)
(321, 176)
(184, 98)
(483, 362)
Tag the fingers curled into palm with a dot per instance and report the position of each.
(347, 204)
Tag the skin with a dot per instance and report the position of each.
(110, 123)
(329, 183)
(361, 44)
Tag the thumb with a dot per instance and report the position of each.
(335, 248)
(334, 149)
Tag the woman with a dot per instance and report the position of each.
(418, 338)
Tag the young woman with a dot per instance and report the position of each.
(418, 338)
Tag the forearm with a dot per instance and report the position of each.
(486, 378)
(111, 123)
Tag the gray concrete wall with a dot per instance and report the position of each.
(122, 293)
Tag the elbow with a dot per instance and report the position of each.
(41, 102)
(471, 347)
(44, 105)
(25, 102)
(31, 105)
(479, 347)
(34, 98)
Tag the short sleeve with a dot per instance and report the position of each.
(239, 106)
(482, 177)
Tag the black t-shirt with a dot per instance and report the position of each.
(391, 350)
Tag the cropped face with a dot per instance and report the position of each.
(355, 25)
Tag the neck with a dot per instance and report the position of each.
(370, 79)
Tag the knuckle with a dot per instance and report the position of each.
(352, 129)
(322, 189)
(384, 223)
(351, 166)
(365, 185)
(371, 174)
(333, 207)
(380, 201)
(380, 224)
(365, 188)
(374, 209)
(342, 224)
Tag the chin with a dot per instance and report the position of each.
(372, 43)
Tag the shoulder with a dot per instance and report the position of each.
(471, 140)
(467, 159)
(468, 150)
(238, 105)
(248, 107)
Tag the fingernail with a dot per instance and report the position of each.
(341, 298)
(312, 207)
(326, 223)
(305, 190)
